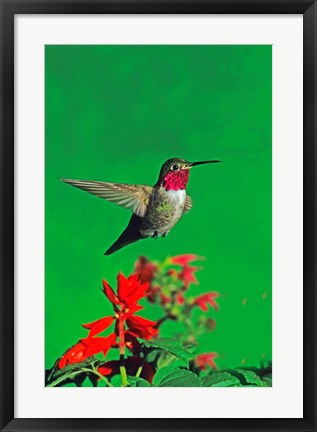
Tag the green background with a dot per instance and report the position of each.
(116, 113)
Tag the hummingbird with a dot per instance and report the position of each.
(155, 209)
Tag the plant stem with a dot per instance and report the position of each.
(65, 377)
(161, 320)
(103, 378)
(139, 371)
(123, 372)
(169, 316)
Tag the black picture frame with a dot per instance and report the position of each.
(8, 9)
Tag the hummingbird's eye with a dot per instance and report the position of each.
(175, 167)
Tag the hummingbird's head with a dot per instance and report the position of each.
(174, 173)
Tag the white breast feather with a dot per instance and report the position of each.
(177, 197)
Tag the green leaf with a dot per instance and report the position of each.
(172, 346)
(116, 380)
(267, 381)
(71, 367)
(75, 373)
(165, 359)
(76, 377)
(251, 377)
(163, 373)
(221, 379)
(153, 355)
(180, 378)
(137, 382)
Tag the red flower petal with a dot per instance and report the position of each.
(184, 259)
(144, 322)
(204, 360)
(103, 370)
(98, 326)
(75, 354)
(146, 269)
(62, 362)
(99, 344)
(123, 286)
(206, 299)
(202, 305)
(110, 293)
(141, 327)
(126, 286)
(111, 367)
(187, 275)
(138, 292)
(133, 309)
(180, 299)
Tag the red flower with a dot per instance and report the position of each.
(86, 348)
(75, 354)
(141, 327)
(180, 299)
(125, 304)
(184, 259)
(204, 300)
(98, 326)
(153, 292)
(204, 360)
(130, 291)
(99, 344)
(146, 269)
(104, 370)
(187, 275)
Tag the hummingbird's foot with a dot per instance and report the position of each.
(155, 234)
(164, 235)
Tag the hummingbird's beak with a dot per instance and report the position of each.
(203, 162)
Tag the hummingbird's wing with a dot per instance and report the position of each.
(132, 197)
(188, 204)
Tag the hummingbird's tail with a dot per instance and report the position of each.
(130, 235)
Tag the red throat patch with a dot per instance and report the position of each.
(176, 180)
